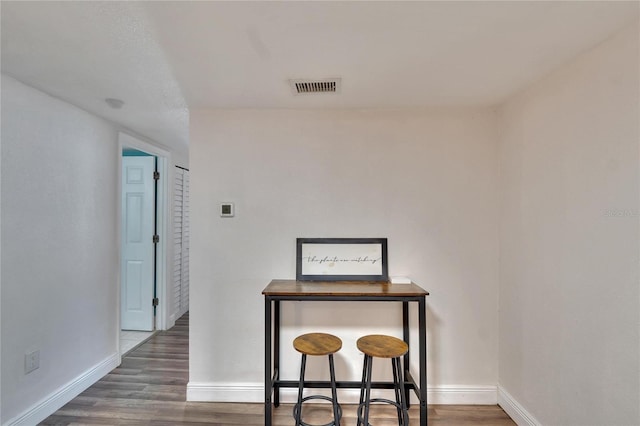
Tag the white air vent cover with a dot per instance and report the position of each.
(307, 86)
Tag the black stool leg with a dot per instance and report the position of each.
(367, 403)
(362, 389)
(403, 415)
(396, 386)
(334, 392)
(300, 388)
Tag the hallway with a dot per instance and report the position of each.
(149, 387)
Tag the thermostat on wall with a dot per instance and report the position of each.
(226, 209)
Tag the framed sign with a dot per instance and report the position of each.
(341, 259)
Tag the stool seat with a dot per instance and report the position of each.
(380, 346)
(317, 344)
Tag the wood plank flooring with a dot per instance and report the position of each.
(149, 388)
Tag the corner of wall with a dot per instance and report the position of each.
(516, 411)
(44, 408)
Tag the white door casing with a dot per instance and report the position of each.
(138, 215)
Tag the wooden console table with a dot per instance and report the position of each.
(347, 291)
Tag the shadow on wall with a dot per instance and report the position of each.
(433, 325)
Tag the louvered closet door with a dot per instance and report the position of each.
(184, 289)
(181, 242)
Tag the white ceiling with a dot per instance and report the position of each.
(165, 57)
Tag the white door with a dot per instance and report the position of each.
(138, 217)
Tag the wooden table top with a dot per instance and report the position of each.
(341, 288)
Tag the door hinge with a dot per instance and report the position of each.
(156, 175)
(155, 301)
(156, 239)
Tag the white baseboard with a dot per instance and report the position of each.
(254, 392)
(225, 392)
(460, 394)
(516, 411)
(49, 405)
(171, 322)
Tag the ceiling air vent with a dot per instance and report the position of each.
(305, 87)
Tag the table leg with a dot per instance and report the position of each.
(406, 338)
(267, 362)
(422, 321)
(276, 351)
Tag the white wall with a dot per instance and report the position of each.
(60, 248)
(569, 282)
(59, 265)
(427, 180)
(0, 262)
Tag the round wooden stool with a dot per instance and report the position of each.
(317, 344)
(380, 346)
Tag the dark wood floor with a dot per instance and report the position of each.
(149, 388)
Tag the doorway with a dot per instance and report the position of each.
(143, 234)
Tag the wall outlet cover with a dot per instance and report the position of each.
(31, 361)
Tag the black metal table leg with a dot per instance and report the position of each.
(267, 362)
(276, 351)
(406, 338)
(422, 327)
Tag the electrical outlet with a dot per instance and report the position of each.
(31, 361)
